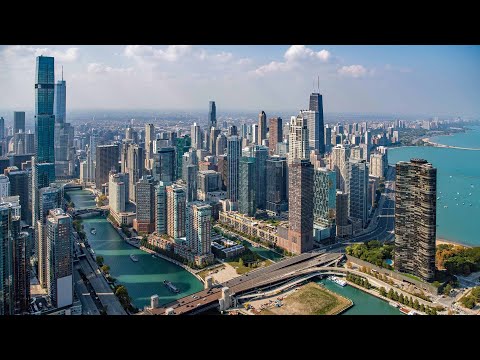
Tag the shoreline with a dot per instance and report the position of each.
(440, 241)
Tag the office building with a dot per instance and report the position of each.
(144, 223)
(254, 135)
(327, 138)
(214, 133)
(49, 198)
(275, 134)
(324, 203)
(149, 138)
(222, 166)
(132, 163)
(298, 139)
(161, 207)
(18, 122)
(247, 186)
(164, 164)
(21, 267)
(59, 257)
(377, 165)
(182, 146)
(176, 204)
(344, 227)
(4, 186)
(192, 171)
(196, 135)
(276, 195)
(262, 127)
(212, 115)
(20, 185)
(106, 160)
(316, 105)
(415, 218)
(221, 145)
(199, 228)
(207, 182)
(356, 187)
(7, 306)
(300, 209)
(117, 191)
(233, 154)
(339, 162)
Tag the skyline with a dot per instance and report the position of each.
(436, 80)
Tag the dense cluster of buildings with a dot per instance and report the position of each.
(294, 184)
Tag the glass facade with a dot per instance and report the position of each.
(247, 185)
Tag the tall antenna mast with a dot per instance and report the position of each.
(318, 82)
(62, 72)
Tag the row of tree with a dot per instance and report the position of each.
(458, 259)
(408, 301)
(359, 281)
(470, 300)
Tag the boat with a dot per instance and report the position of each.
(171, 287)
(404, 310)
(133, 258)
(337, 280)
(438, 198)
(153, 255)
(445, 206)
(391, 303)
(93, 231)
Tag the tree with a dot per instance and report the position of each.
(390, 294)
(422, 307)
(401, 299)
(447, 289)
(240, 262)
(416, 304)
(105, 268)
(382, 291)
(122, 293)
(99, 260)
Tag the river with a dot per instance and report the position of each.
(143, 278)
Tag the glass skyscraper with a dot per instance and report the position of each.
(44, 117)
(212, 114)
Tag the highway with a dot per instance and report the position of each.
(258, 277)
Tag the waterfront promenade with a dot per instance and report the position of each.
(427, 140)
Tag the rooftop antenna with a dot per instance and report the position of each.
(318, 83)
(62, 72)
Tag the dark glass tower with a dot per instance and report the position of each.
(247, 183)
(212, 114)
(316, 104)
(44, 118)
(18, 122)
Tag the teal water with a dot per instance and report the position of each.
(458, 176)
(143, 278)
(364, 304)
(83, 199)
(469, 139)
(265, 253)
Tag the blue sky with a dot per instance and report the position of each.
(430, 80)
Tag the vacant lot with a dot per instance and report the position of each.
(242, 269)
(311, 299)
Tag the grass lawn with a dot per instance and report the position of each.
(245, 269)
(412, 276)
(311, 299)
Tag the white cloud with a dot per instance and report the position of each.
(99, 68)
(69, 55)
(353, 71)
(295, 55)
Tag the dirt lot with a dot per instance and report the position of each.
(310, 299)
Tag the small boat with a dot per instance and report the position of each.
(470, 204)
(391, 303)
(93, 231)
(450, 175)
(438, 198)
(470, 194)
(153, 255)
(458, 193)
(133, 258)
(171, 287)
(445, 206)
(337, 281)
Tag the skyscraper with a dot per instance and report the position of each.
(117, 191)
(247, 184)
(49, 198)
(316, 104)
(260, 153)
(161, 207)
(415, 218)
(18, 122)
(298, 139)
(276, 168)
(339, 161)
(106, 160)
(377, 165)
(144, 222)
(212, 115)
(275, 134)
(21, 267)
(4, 186)
(44, 117)
(214, 133)
(262, 127)
(164, 164)
(223, 170)
(208, 181)
(182, 146)
(313, 124)
(132, 160)
(344, 228)
(300, 216)
(199, 227)
(328, 138)
(357, 186)
(2, 128)
(176, 203)
(149, 138)
(234, 144)
(19, 185)
(59, 101)
(192, 171)
(59, 257)
(221, 144)
(196, 135)
(254, 136)
(324, 203)
(6, 261)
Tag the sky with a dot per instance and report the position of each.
(430, 80)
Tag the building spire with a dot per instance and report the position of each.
(62, 72)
